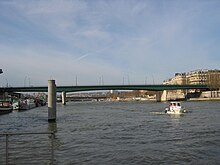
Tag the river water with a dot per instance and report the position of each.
(120, 133)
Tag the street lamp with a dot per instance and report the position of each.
(25, 78)
(6, 82)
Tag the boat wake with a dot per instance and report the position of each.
(158, 113)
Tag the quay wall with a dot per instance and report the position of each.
(205, 99)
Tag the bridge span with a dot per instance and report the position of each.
(52, 89)
(103, 87)
(66, 89)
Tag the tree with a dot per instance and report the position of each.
(213, 79)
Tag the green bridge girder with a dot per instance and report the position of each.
(103, 87)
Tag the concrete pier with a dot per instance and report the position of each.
(51, 101)
(164, 95)
(64, 98)
(158, 96)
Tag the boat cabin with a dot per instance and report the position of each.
(175, 104)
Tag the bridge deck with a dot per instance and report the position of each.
(104, 87)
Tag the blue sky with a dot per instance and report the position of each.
(135, 40)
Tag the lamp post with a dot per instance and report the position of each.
(25, 78)
(76, 80)
(145, 82)
(6, 82)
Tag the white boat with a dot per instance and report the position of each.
(26, 104)
(5, 107)
(175, 108)
(15, 105)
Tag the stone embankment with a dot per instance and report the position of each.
(204, 99)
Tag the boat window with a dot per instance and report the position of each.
(174, 104)
(178, 104)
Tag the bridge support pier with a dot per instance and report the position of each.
(164, 95)
(158, 96)
(51, 101)
(64, 98)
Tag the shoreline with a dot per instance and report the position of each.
(204, 99)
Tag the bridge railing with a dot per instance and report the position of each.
(27, 148)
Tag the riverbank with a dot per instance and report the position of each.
(205, 99)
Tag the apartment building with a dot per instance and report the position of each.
(197, 77)
(179, 78)
(202, 76)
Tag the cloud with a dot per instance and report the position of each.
(110, 38)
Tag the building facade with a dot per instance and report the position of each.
(203, 76)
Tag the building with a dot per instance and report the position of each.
(179, 78)
(197, 77)
(202, 76)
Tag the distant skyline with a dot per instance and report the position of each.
(108, 42)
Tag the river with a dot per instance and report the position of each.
(119, 133)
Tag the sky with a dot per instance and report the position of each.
(93, 42)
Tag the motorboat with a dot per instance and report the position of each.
(26, 104)
(5, 107)
(15, 105)
(175, 108)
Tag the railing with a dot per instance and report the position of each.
(27, 148)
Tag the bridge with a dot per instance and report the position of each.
(103, 87)
(66, 89)
(52, 89)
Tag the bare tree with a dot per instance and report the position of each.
(213, 79)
